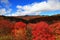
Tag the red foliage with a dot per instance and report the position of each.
(55, 28)
(32, 26)
(40, 31)
(6, 23)
(41, 25)
(5, 27)
(20, 25)
(19, 30)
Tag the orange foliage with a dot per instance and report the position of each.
(19, 30)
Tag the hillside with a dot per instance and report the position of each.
(30, 27)
(31, 19)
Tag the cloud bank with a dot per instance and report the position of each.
(36, 8)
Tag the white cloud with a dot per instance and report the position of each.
(3, 11)
(19, 6)
(55, 4)
(35, 8)
(31, 9)
(7, 5)
(9, 10)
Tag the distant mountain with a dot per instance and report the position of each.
(31, 19)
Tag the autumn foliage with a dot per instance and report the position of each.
(55, 28)
(5, 27)
(38, 31)
(19, 31)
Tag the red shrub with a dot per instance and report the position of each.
(20, 25)
(55, 28)
(5, 26)
(19, 30)
(6, 23)
(40, 31)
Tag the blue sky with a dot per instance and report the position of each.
(29, 7)
(22, 2)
